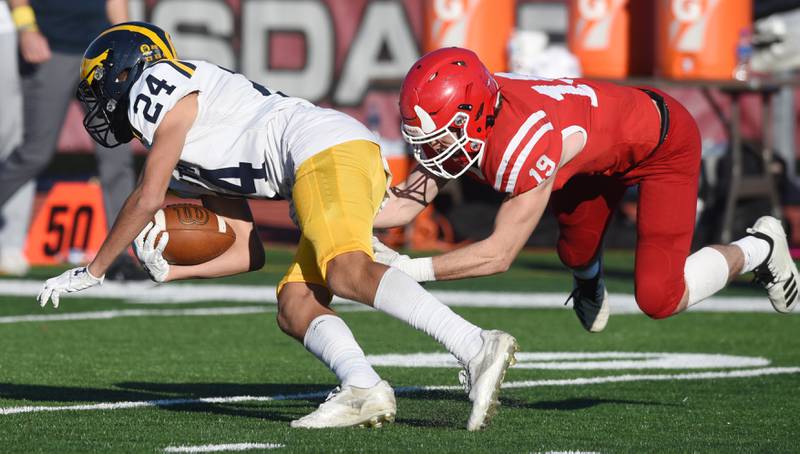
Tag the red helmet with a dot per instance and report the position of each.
(447, 105)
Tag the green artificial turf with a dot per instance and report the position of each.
(152, 358)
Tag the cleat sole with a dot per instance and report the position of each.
(377, 421)
(491, 410)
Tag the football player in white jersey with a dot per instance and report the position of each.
(214, 134)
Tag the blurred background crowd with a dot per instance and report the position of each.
(732, 63)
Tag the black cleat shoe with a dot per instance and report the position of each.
(590, 303)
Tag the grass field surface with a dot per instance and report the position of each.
(219, 375)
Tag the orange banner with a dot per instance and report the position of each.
(69, 227)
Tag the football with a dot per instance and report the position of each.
(196, 234)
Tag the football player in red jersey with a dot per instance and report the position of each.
(576, 145)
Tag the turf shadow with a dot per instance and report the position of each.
(144, 391)
(446, 422)
(198, 390)
(259, 410)
(579, 403)
(46, 393)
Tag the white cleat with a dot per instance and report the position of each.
(778, 274)
(484, 374)
(349, 406)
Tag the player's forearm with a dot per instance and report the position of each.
(483, 258)
(135, 214)
(397, 212)
(245, 254)
(408, 199)
(236, 260)
(515, 221)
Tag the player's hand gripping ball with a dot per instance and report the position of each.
(196, 234)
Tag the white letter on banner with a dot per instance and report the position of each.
(384, 26)
(308, 17)
(210, 25)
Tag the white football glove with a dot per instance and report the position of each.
(386, 255)
(150, 254)
(69, 281)
(421, 269)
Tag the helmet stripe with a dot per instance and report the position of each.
(168, 39)
(167, 49)
(88, 65)
(184, 67)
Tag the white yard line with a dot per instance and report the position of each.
(118, 313)
(174, 293)
(406, 390)
(743, 373)
(224, 447)
(615, 361)
(105, 315)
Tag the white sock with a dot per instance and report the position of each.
(330, 340)
(403, 298)
(706, 273)
(590, 272)
(755, 251)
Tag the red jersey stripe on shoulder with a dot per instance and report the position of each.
(513, 144)
(520, 160)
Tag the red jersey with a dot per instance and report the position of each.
(621, 126)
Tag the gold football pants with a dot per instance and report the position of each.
(336, 195)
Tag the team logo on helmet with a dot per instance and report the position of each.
(447, 103)
(110, 66)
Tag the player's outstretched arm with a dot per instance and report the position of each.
(141, 205)
(245, 254)
(148, 196)
(408, 198)
(514, 224)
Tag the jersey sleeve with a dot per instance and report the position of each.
(529, 156)
(156, 92)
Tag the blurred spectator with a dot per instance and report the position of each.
(52, 36)
(12, 235)
(777, 43)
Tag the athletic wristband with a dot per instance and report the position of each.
(24, 18)
(421, 270)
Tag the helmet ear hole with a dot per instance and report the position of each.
(123, 75)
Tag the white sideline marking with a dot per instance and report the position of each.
(406, 390)
(117, 313)
(105, 315)
(150, 293)
(745, 373)
(578, 360)
(570, 452)
(224, 447)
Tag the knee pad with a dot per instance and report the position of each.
(658, 298)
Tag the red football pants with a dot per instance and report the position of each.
(668, 181)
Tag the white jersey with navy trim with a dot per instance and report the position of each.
(246, 141)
